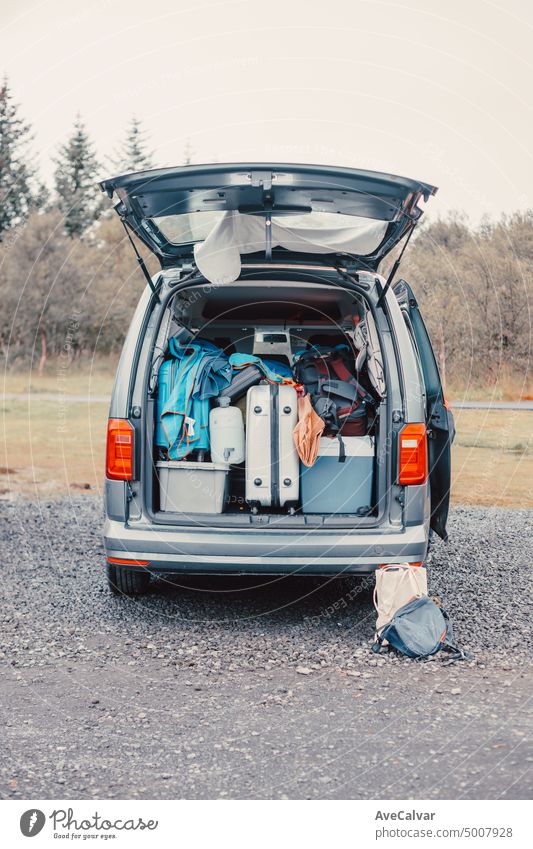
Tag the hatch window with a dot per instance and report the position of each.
(191, 227)
(187, 227)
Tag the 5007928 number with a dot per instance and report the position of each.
(486, 831)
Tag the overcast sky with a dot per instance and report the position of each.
(441, 91)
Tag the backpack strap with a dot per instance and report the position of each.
(341, 388)
(314, 374)
(378, 647)
(346, 412)
(343, 373)
(448, 644)
(322, 374)
(456, 653)
(327, 411)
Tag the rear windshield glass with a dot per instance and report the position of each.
(188, 227)
(196, 226)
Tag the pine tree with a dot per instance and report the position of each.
(17, 173)
(134, 155)
(77, 195)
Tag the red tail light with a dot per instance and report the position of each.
(119, 456)
(413, 455)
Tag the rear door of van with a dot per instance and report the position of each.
(439, 419)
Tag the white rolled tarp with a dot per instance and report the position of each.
(219, 257)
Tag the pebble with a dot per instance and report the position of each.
(67, 615)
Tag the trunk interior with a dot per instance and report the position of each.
(278, 321)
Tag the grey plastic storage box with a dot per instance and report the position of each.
(189, 487)
(330, 486)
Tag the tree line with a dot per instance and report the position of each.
(70, 281)
(475, 289)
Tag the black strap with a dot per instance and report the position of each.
(341, 388)
(455, 653)
(268, 230)
(274, 446)
(378, 647)
(327, 411)
(342, 449)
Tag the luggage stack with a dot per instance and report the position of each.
(242, 451)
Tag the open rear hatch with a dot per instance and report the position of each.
(248, 470)
(280, 211)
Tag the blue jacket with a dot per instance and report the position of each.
(197, 372)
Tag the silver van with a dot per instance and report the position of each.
(287, 257)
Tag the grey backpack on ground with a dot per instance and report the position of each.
(420, 629)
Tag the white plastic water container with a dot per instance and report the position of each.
(226, 433)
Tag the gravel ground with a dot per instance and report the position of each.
(257, 689)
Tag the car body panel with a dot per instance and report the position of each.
(439, 419)
(194, 549)
(132, 532)
(264, 189)
(341, 544)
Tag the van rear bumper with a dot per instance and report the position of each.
(259, 551)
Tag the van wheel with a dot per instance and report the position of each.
(124, 581)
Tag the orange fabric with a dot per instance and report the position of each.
(307, 432)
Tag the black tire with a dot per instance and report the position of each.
(125, 581)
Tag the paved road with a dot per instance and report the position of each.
(491, 405)
(82, 730)
(258, 689)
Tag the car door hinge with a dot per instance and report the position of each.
(438, 416)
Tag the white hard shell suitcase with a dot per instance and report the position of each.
(272, 465)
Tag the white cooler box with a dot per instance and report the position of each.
(330, 486)
(188, 487)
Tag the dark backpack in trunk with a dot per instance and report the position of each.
(337, 396)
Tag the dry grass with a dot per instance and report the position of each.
(493, 458)
(63, 379)
(49, 448)
(55, 448)
(505, 386)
